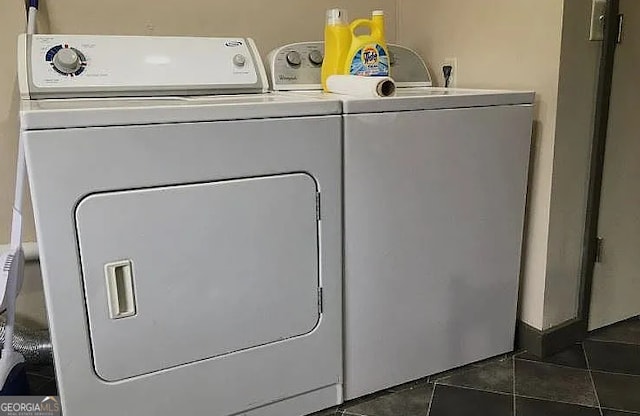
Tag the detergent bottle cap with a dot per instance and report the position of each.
(336, 17)
(377, 13)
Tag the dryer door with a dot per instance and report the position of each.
(236, 269)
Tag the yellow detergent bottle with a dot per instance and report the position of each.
(368, 55)
(337, 42)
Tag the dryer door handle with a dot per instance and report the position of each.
(120, 289)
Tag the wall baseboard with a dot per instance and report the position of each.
(550, 341)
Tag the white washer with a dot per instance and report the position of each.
(190, 247)
(435, 185)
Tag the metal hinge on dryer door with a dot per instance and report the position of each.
(599, 248)
(318, 213)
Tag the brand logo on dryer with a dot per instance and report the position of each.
(233, 44)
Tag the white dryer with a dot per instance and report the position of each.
(435, 185)
(190, 246)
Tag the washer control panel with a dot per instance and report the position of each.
(60, 66)
(298, 66)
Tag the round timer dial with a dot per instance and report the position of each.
(66, 60)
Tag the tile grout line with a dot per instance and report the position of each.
(502, 393)
(550, 363)
(610, 341)
(433, 393)
(630, 412)
(542, 399)
(513, 369)
(593, 383)
(614, 373)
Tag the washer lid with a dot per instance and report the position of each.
(94, 112)
(425, 98)
(428, 98)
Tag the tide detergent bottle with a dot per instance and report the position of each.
(337, 42)
(368, 54)
(349, 54)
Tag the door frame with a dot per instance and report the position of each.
(548, 342)
(596, 169)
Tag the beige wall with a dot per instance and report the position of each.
(271, 23)
(574, 130)
(12, 21)
(507, 44)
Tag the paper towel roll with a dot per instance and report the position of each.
(358, 86)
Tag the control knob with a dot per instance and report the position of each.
(239, 60)
(294, 59)
(67, 60)
(315, 57)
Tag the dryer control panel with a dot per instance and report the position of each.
(298, 66)
(60, 66)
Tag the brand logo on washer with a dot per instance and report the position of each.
(233, 44)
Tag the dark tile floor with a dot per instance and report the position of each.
(598, 377)
(42, 381)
